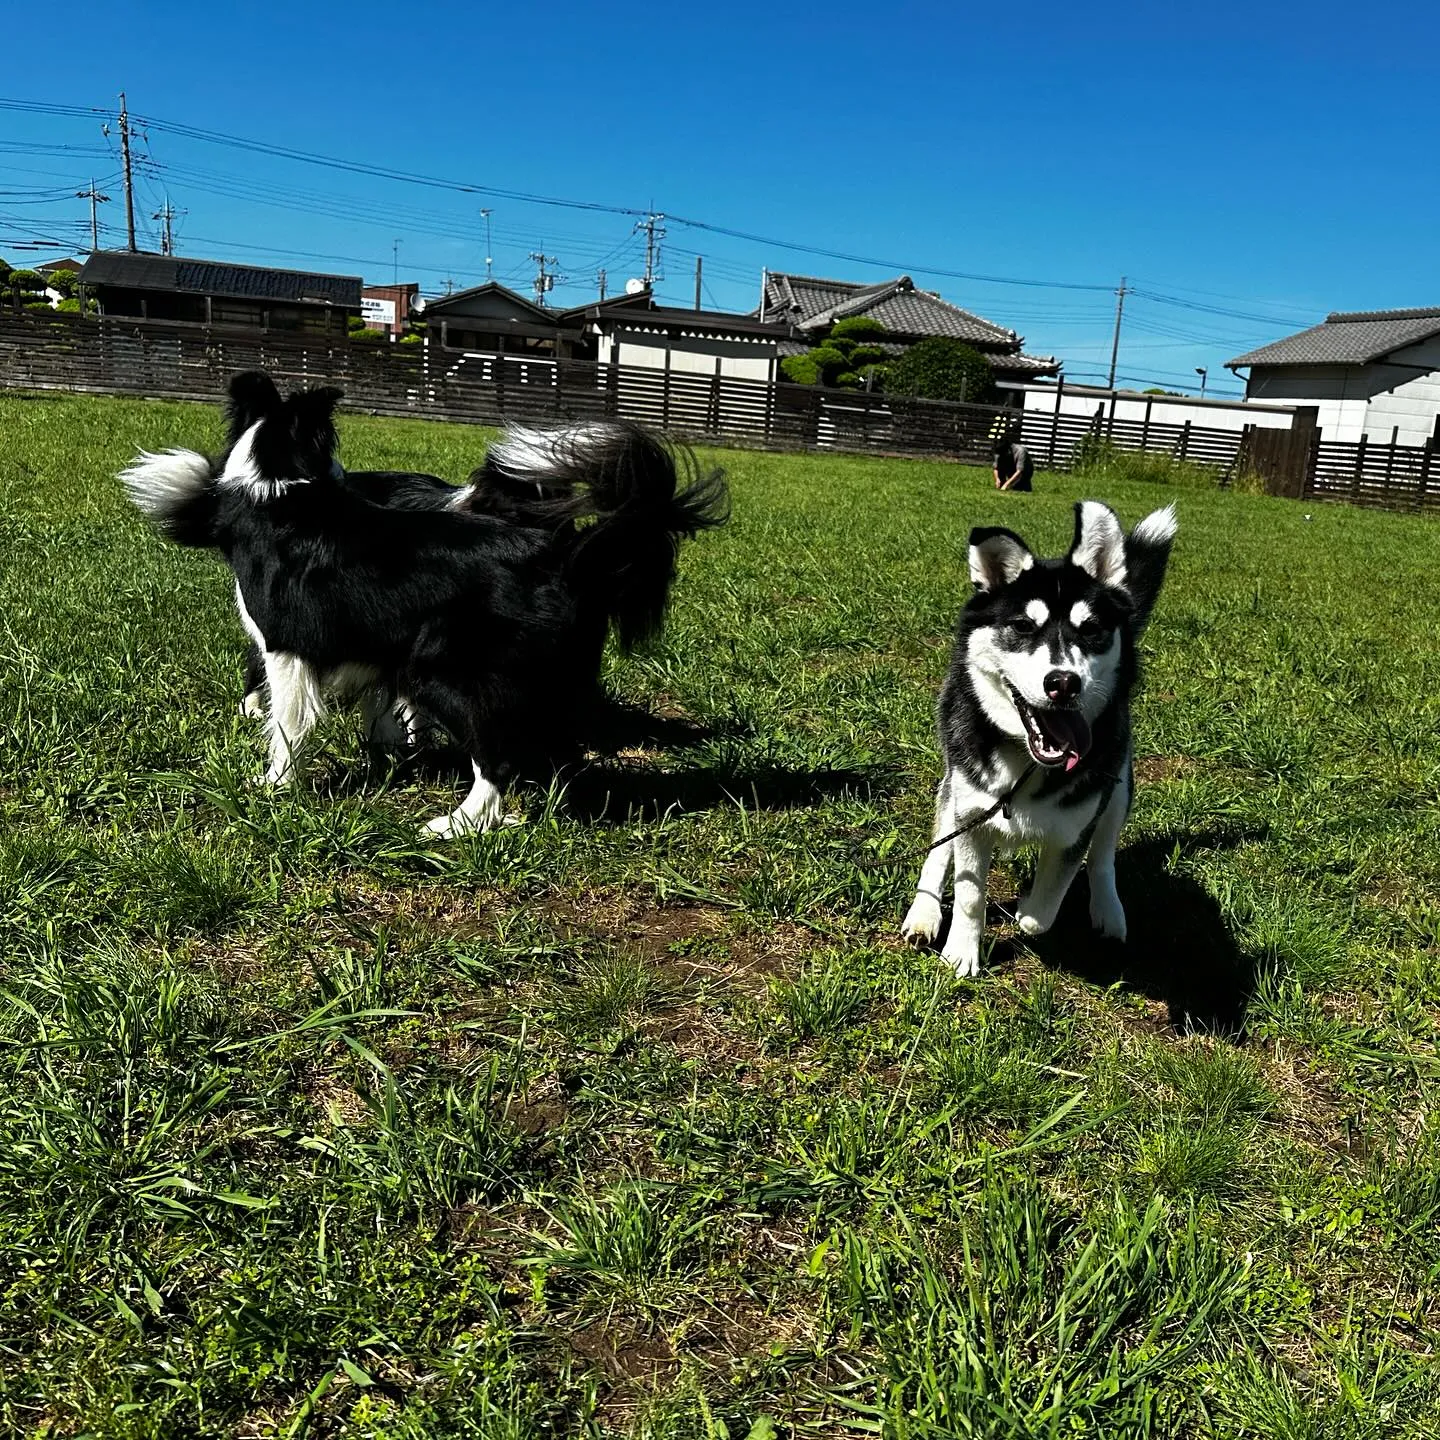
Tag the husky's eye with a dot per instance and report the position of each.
(1091, 632)
(1023, 625)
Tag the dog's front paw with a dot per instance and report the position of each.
(1031, 924)
(253, 706)
(1107, 916)
(964, 959)
(457, 823)
(922, 920)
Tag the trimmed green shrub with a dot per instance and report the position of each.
(354, 323)
(413, 337)
(366, 336)
(942, 369)
(857, 327)
(64, 281)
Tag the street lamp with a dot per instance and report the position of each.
(1202, 372)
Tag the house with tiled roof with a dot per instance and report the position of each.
(813, 305)
(219, 292)
(1368, 372)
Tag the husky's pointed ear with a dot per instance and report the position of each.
(252, 397)
(1099, 546)
(997, 556)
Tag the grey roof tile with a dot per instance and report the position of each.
(1353, 337)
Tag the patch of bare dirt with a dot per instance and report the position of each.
(1150, 769)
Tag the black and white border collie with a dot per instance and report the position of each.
(1041, 676)
(490, 624)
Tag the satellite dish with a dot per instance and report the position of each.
(419, 306)
(634, 286)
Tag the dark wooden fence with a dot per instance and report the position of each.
(69, 352)
(126, 357)
(1385, 476)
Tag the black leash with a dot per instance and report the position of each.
(1003, 803)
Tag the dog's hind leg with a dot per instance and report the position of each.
(252, 702)
(922, 920)
(1107, 914)
(296, 704)
(464, 715)
(971, 857)
(482, 809)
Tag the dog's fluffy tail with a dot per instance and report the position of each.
(175, 490)
(1147, 554)
(644, 496)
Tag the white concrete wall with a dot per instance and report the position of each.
(1413, 400)
(696, 354)
(1356, 400)
(1083, 400)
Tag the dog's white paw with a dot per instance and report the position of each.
(253, 706)
(1107, 916)
(963, 959)
(1031, 924)
(922, 920)
(457, 823)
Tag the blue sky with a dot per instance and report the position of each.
(1275, 161)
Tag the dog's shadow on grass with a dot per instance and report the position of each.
(637, 769)
(1178, 948)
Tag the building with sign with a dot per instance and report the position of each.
(388, 307)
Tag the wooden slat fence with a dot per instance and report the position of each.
(111, 355)
(1384, 476)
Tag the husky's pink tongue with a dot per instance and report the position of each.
(1069, 731)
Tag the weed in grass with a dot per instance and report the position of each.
(634, 1242)
(612, 990)
(1033, 1324)
(825, 999)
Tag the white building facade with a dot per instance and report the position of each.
(1372, 374)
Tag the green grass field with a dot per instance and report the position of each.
(638, 1119)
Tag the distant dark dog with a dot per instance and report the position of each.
(1040, 680)
(487, 613)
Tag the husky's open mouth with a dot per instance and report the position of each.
(1055, 737)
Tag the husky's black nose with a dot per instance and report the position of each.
(1062, 685)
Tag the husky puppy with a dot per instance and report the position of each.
(1039, 687)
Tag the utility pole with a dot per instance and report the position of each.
(94, 197)
(395, 261)
(167, 233)
(764, 286)
(129, 178)
(1115, 347)
(544, 280)
(600, 280)
(698, 261)
(489, 249)
(654, 234)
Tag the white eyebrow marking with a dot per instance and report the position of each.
(1038, 611)
(1080, 612)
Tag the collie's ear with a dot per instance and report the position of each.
(997, 556)
(312, 428)
(1099, 546)
(252, 397)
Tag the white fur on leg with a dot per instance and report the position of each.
(1054, 875)
(1107, 914)
(971, 857)
(482, 809)
(922, 920)
(253, 705)
(296, 704)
